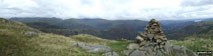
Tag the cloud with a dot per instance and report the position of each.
(108, 9)
(196, 2)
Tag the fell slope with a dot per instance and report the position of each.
(196, 37)
(203, 29)
(14, 42)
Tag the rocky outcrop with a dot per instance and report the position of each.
(127, 52)
(93, 47)
(110, 54)
(30, 34)
(133, 46)
(169, 50)
(153, 42)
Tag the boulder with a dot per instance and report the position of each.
(168, 50)
(110, 54)
(96, 48)
(159, 53)
(182, 51)
(137, 53)
(30, 34)
(133, 46)
(127, 52)
(148, 49)
(92, 47)
(77, 44)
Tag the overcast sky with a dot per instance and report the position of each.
(108, 9)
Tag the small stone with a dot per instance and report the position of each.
(150, 36)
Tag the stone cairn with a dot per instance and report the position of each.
(152, 35)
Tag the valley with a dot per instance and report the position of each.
(50, 39)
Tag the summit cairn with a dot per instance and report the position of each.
(153, 42)
(153, 35)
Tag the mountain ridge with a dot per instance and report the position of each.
(106, 28)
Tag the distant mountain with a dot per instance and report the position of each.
(98, 27)
(208, 19)
(170, 26)
(100, 24)
(199, 28)
(110, 29)
(37, 19)
(42, 25)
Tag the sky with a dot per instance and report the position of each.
(109, 9)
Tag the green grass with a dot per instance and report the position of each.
(55, 45)
(119, 46)
(14, 43)
(195, 44)
(91, 39)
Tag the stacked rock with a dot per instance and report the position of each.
(153, 34)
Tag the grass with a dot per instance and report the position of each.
(119, 46)
(195, 44)
(85, 38)
(14, 43)
(55, 45)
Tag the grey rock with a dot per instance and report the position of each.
(127, 52)
(92, 47)
(150, 36)
(182, 51)
(133, 46)
(31, 34)
(137, 53)
(156, 43)
(78, 44)
(147, 49)
(168, 50)
(96, 48)
(3, 20)
(110, 54)
(159, 53)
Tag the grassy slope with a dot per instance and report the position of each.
(14, 43)
(201, 41)
(11, 39)
(196, 43)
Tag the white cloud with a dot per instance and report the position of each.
(108, 9)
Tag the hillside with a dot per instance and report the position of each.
(197, 37)
(19, 40)
(201, 29)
